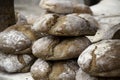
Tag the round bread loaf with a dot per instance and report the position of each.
(40, 70)
(54, 48)
(101, 59)
(44, 23)
(25, 29)
(59, 70)
(64, 6)
(67, 25)
(15, 63)
(17, 39)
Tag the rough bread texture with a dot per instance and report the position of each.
(58, 70)
(17, 39)
(101, 59)
(13, 41)
(64, 6)
(81, 75)
(15, 63)
(40, 70)
(67, 25)
(25, 29)
(44, 23)
(54, 48)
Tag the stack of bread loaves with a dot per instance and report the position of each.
(102, 59)
(57, 39)
(15, 48)
(66, 23)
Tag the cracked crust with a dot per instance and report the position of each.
(102, 62)
(15, 63)
(25, 29)
(54, 48)
(67, 25)
(81, 75)
(57, 70)
(44, 23)
(40, 70)
(17, 39)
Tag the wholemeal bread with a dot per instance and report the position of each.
(58, 70)
(25, 29)
(15, 63)
(67, 25)
(101, 59)
(44, 23)
(40, 70)
(64, 6)
(54, 48)
(17, 39)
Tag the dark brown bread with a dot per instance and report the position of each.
(17, 39)
(15, 63)
(67, 25)
(101, 59)
(58, 70)
(54, 48)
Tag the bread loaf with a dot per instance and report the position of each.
(69, 25)
(15, 63)
(44, 23)
(40, 70)
(58, 70)
(101, 59)
(54, 48)
(24, 24)
(25, 29)
(64, 6)
(64, 70)
(17, 39)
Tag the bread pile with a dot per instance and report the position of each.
(15, 48)
(57, 39)
(100, 61)
(66, 24)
